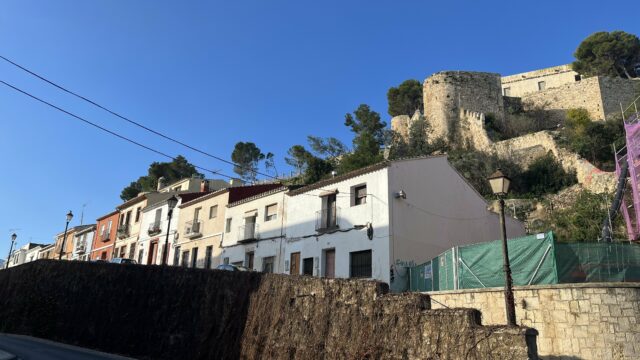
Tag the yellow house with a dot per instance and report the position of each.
(200, 228)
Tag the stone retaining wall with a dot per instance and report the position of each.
(574, 321)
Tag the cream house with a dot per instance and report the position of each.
(128, 230)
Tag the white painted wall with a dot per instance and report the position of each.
(441, 210)
(144, 242)
(270, 232)
(302, 236)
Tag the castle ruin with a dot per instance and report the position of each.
(458, 103)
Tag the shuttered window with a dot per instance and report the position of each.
(271, 212)
(359, 195)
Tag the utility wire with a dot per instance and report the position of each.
(107, 130)
(132, 121)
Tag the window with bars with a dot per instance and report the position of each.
(360, 264)
(271, 212)
(176, 256)
(185, 258)
(267, 264)
(207, 257)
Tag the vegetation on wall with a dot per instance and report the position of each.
(608, 53)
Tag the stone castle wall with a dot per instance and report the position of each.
(521, 84)
(574, 321)
(617, 91)
(446, 93)
(162, 312)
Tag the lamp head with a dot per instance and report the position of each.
(69, 216)
(13, 237)
(172, 202)
(499, 183)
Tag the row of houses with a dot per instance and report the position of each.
(369, 223)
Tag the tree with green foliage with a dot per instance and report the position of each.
(316, 169)
(418, 143)
(608, 53)
(369, 138)
(545, 175)
(476, 167)
(246, 156)
(593, 140)
(298, 157)
(406, 98)
(172, 171)
(328, 148)
(270, 163)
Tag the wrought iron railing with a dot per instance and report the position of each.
(192, 228)
(248, 232)
(327, 219)
(123, 231)
(155, 228)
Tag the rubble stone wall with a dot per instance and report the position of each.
(156, 312)
(574, 321)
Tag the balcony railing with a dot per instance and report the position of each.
(327, 219)
(104, 236)
(192, 229)
(80, 248)
(155, 228)
(248, 233)
(123, 231)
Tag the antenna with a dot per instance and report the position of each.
(82, 213)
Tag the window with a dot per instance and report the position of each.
(158, 216)
(213, 211)
(138, 212)
(177, 188)
(123, 251)
(248, 260)
(307, 266)
(542, 85)
(271, 212)
(359, 195)
(132, 251)
(207, 257)
(140, 255)
(360, 264)
(176, 256)
(227, 228)
(194, 257)
(196, 214)
(225, 261)
(185, 258)
(109, 227)
(507, 91)
(267, 264)
(327, 216)
(578, 77)
(103, 255)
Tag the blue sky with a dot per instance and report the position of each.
(213, 73)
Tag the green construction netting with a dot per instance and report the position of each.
(535, 259)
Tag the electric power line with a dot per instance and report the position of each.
(107, 130)
(132, 121)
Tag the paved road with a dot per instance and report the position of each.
(29, 348)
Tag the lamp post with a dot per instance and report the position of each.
(172, 202)
(500, 186)
(13, 240)
(64, 237)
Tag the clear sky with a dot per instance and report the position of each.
(213, 73)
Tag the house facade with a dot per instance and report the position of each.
(254, 231)
(105, 237)
(82, 243)
(375, 221)
(66, 245)
(129, 227)
(26, 253)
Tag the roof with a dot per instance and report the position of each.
(86, 228)
(354, 173)
(76, 229)
(135, 200)
(108, 215)
(158, 198)
(263, 194)
(236, 193)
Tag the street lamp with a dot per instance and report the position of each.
(13, 240)
(500, 186)
(172, 202)
(64, 237)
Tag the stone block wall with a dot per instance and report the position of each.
(526, 83)
(617, 91)
(574, 321)
(157, 312)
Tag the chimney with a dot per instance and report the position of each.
(204, 186)
(160, 182)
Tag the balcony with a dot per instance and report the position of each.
(327, 219)
(155, 228)
(248, 233)
(104, 236)
(123, 231)
(80, 248)
(192, 229)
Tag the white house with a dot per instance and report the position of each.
(375, 221)
(24, 254)
(254, 231)
(82, 242)
(155, 224)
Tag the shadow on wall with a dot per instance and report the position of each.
(560, 357)
(148, 312)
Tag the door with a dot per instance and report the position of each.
(330, 263)
(153, 251)
(307, 266)
(249, 260)
(249, 227)
(294, 268)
